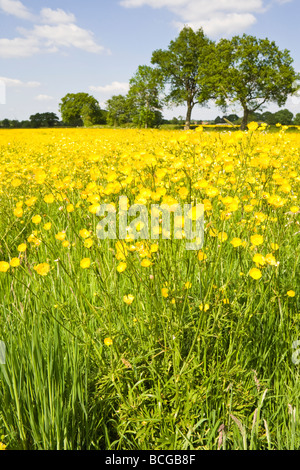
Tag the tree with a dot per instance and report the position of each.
(284, 117)
(77, 108)
(143, 97)
(44, 120)
(118, 110)
(181, 67)
(250, 71)
(297, 119)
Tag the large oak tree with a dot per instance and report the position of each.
(180, 66)
(251, 72)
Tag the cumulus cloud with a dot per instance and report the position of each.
(16, 83)
(58, 16)
(114, 88)
(44, 98)
(52, 31)
(216, 17)
(15, 8)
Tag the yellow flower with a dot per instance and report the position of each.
(4, 266)
(70, 208)
(65, 243)
(259, 260)
(22, 247)
(165, 292)
(252, 126)
(146, 263)
(36, 219)
(47, 226)
(108, 341)
(18, 212)
(42, 269)
(84, 233)
(188, 285)
(270, 259)
(257, 240)
(128, 299)
(204, 307)
(274, 246)
(255, 273)
(60, 236)
(294, 209)
(121, 267)
(236, 242)
(201, 256)
(85, 263)
(88, 243)
(291, 293)
(49, 198)
(222, 236)
(154, 248)
(2, 446)
(15, 262)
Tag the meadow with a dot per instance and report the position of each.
(142, 344)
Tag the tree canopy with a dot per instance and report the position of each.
(180, 67)
(249, 71)
(144, 96)
(79, 109)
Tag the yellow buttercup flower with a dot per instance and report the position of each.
(85, 263)
(4, 266)
(15, 262)
(165, 292)
(255, 273)
(128, 299)
(42, 269)
(22, 247)
(121, 267)
(257, 240)
(108, 341)
(36, 219)
(291, 293)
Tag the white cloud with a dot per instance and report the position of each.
(18, 47)
(114, 88)
(63, 35)
(15, 8)
(52, 31)
(44, 98)
(14, 82)
(216, 17)
(58, 16)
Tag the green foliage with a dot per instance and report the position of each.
(181, 66)
(118, 110)
(250, 71)
(43, 120)
(144, 97)
(297, 119)
(79, 109)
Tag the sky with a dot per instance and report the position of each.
(49, 48)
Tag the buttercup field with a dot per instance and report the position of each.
(149, 229)
(136, 343)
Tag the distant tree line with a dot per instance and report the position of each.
(283, 116)
(34, 122)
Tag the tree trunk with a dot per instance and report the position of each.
(245, 120)
(188, 117)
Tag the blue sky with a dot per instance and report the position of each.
(49, 48)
